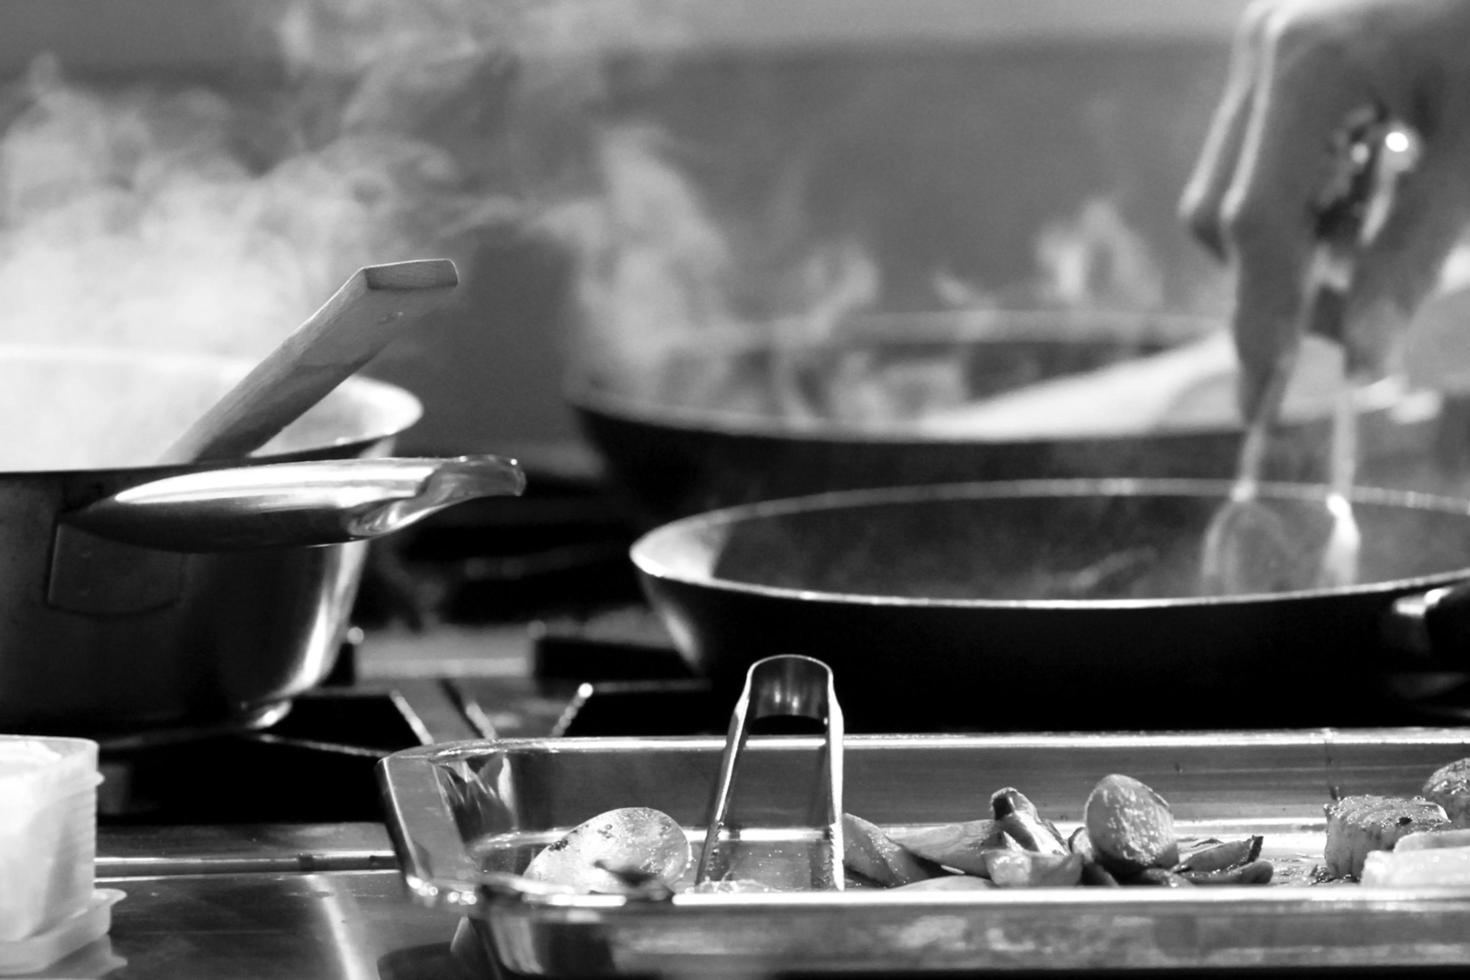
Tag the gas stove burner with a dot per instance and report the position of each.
(254, 719)
(314, 763)
(643, 708)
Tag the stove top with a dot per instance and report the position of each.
(548, 636)
(315, 764)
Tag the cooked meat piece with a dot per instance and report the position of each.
(1449, 786)
(1359, 824)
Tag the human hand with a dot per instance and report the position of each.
(1300, 70)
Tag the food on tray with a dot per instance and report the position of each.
(1402, 842)
(1449, 786)
(1358, 825)
(1425, 866)
(1213, 862)
(616, 852)
(961, 846)
(873, 855)
(1440, 837)
(1029, 869)
(1430, 857)
(1130, 827)
(641, 851)
(948, 883)
(1017, 818)
(1019, 847)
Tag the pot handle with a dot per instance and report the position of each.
(318, 502)
(1433, 626)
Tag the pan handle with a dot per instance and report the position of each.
(318, 502)
(1432, 627)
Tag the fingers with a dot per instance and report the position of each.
(1199, 206)
(1267, 218)
(1300, 68)
(1402, 267)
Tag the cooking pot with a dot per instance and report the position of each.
(143, 602)
(713, 420)
(1070, 604)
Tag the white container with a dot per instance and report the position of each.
(62, 939)
(48, 832)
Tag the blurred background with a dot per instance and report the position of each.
(613, 176)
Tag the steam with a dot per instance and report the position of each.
(192, 218)
(187, 217)
(136, 219)
(660, 271)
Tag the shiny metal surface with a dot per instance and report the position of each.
(294, 504)
(212, 637)
(348, 925)
(168, 850)
(784, 686)
(466, 817)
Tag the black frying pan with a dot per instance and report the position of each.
(737, 418)
(1066, 605)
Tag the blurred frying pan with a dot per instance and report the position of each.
(711, 421)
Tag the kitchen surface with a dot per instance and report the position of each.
(423, 419)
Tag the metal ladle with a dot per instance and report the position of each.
(1248, 547)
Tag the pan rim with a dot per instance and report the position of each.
(644, 552)
(589, 390)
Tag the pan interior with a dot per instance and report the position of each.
(994, 546)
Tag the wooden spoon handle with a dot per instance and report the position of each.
(372, 307)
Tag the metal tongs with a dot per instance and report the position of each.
(1246, 544)
(781, 686)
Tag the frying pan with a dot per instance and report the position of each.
(724, 419)
(1068, 605)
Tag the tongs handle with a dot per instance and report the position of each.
(787, 685)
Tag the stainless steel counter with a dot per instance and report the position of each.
(303, 900)
(338, 924)
(280, 901)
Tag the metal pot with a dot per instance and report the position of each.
(1068, 605)
(730, 419)
(142, 602)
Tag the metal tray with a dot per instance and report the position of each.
(466, 816)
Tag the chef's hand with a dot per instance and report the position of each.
(1300, 69)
